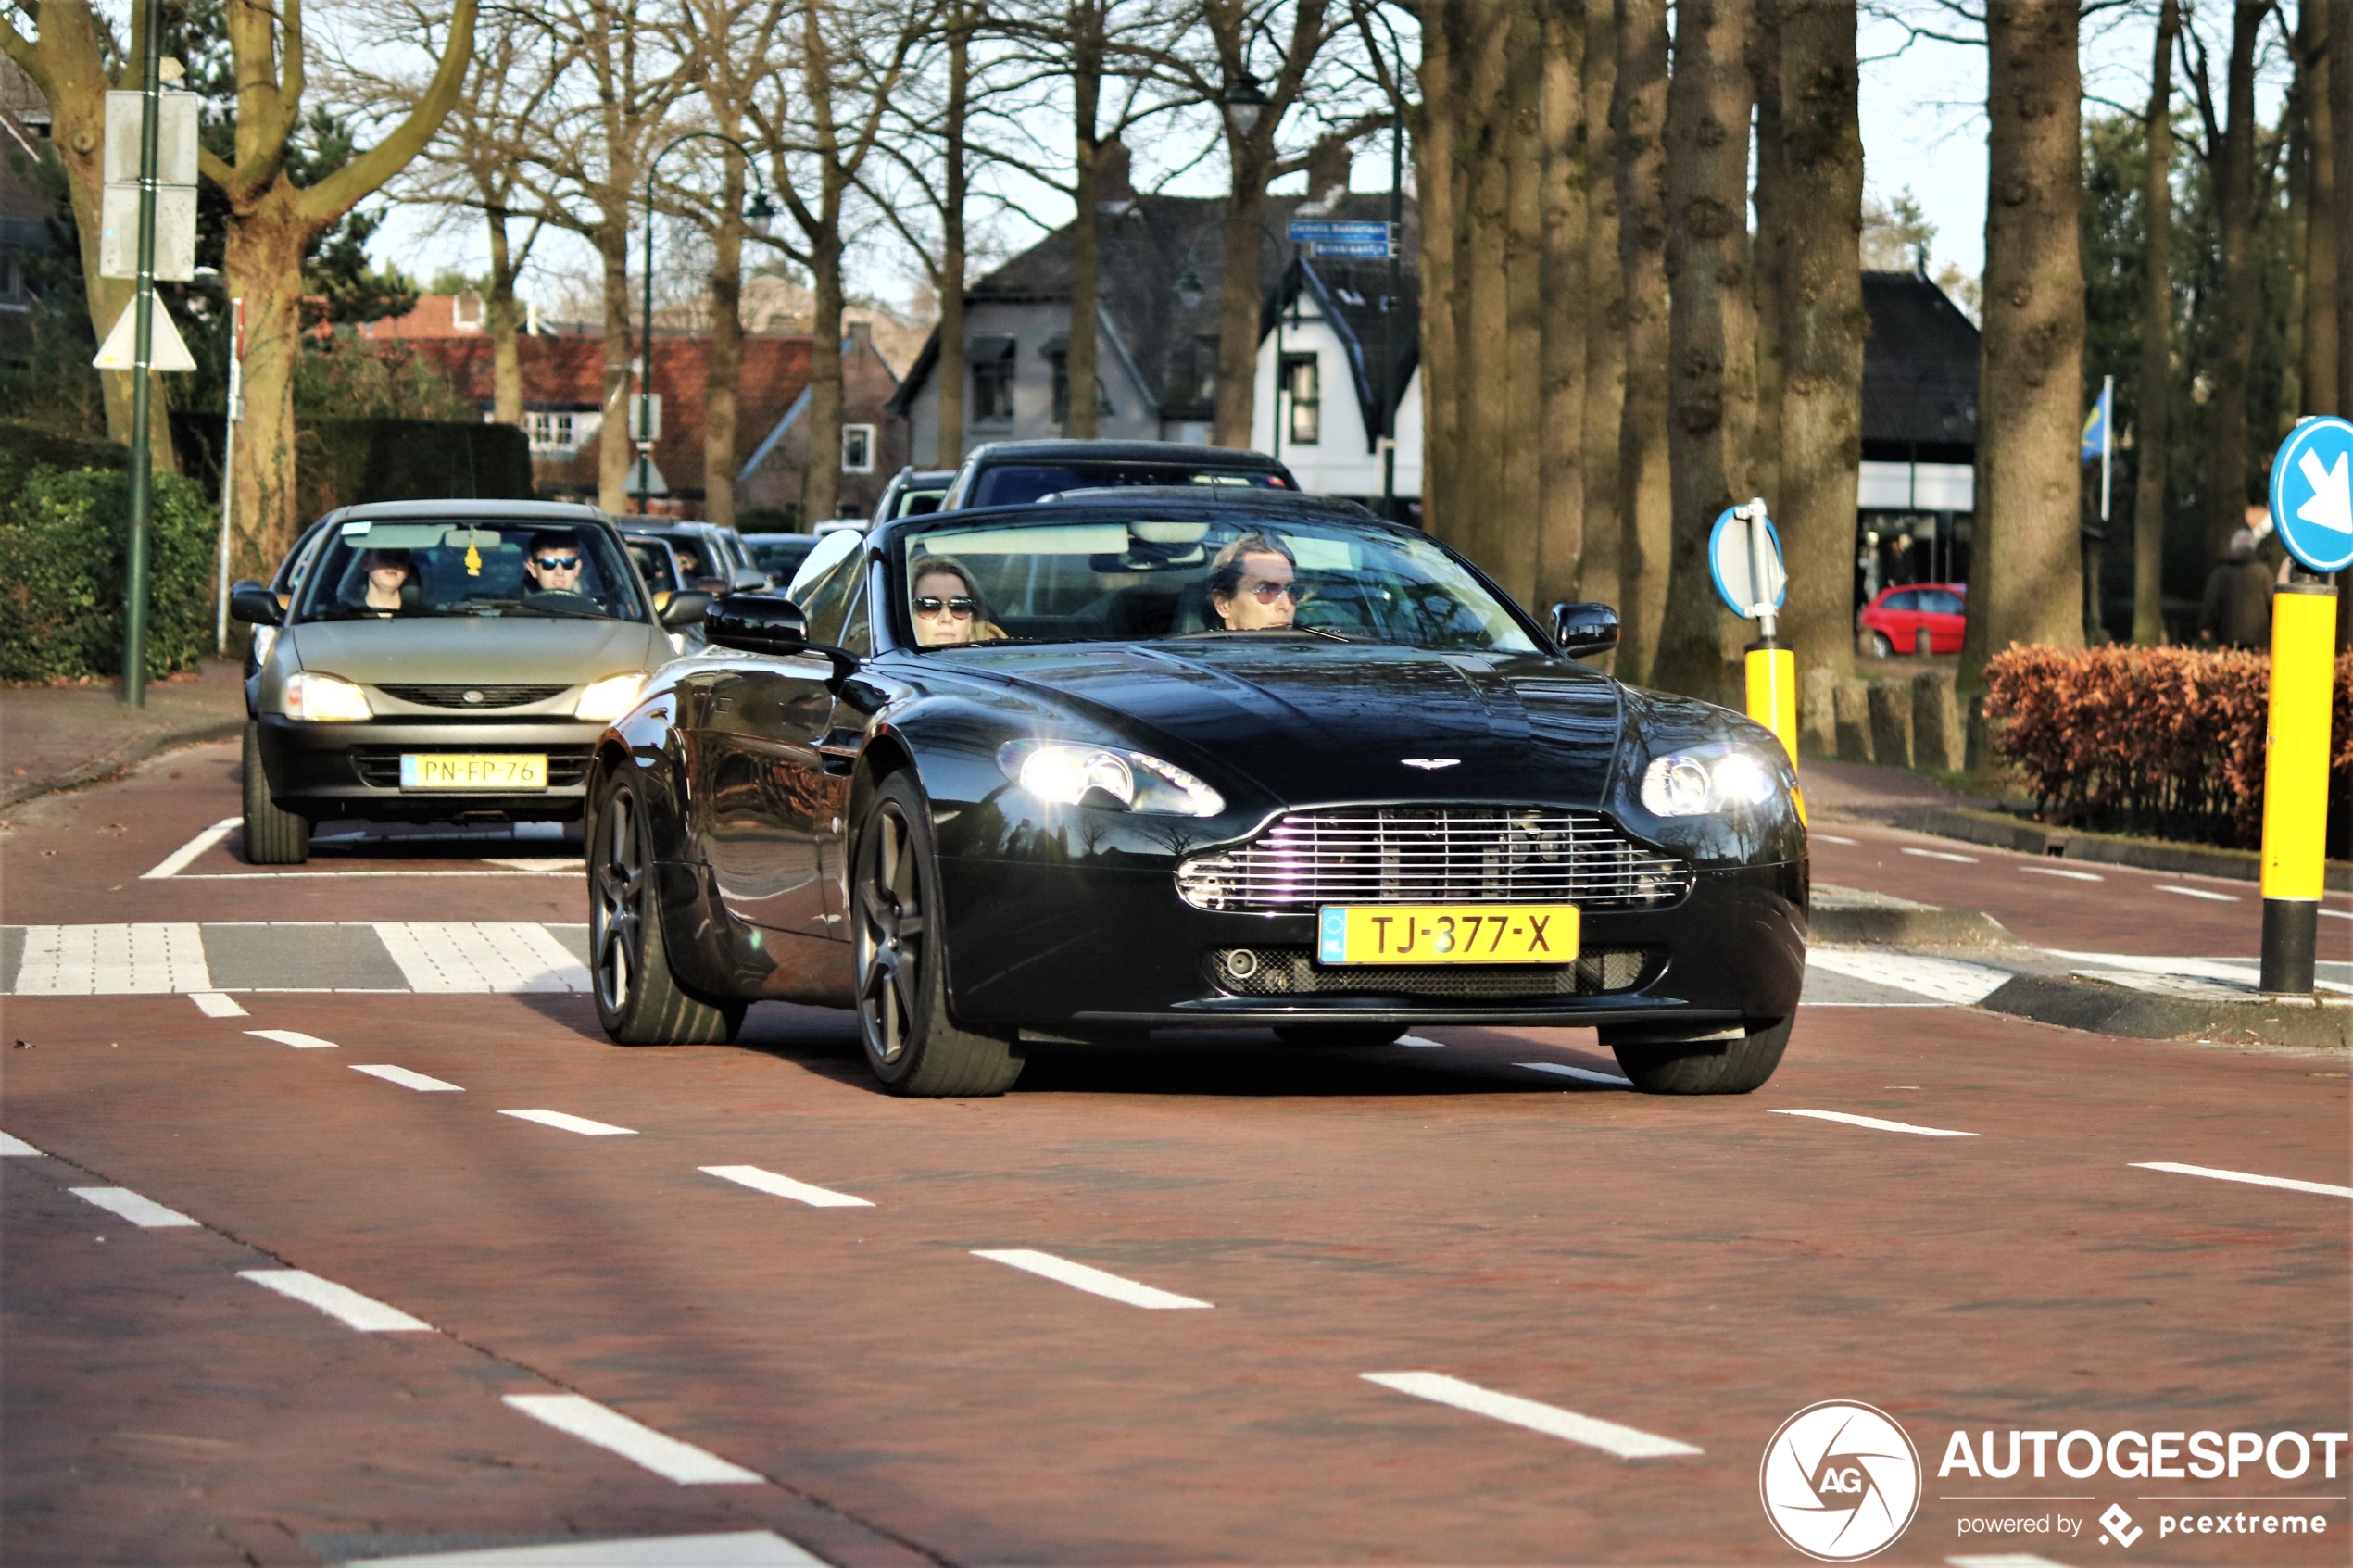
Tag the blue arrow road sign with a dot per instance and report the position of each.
(2313, 493)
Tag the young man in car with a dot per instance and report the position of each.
(554, 568)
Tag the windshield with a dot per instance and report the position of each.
(654, 564)
(1151, 578)
(394, 571)
(1017, 484)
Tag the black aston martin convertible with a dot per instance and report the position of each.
(1153, 759)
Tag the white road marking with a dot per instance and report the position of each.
(2323, 1189)
(2338, 914)
(1877, 1123)
(340, 1302)
(580, 1125)
(507, 956)
(1415, 1042)
(1833, 838)
(1551, 1420)
(609, 1429)
(758, 1180)
(178, 859)
(737, 1549)
(1586, 1073)
(112, 961)
(1084, 1278)
(15, 1146)
(1946, 980)
(1939, 855)
(320, 876)
(2061, 871)
(121, 1202)
(407, 1079)
(1997, 1560)
(2198, 892)
(295, 1038)
(215, 1004)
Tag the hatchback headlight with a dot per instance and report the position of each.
(607, 699)
(324, 699)
(1101, 775)
(1695, 783)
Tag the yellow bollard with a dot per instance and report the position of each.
(2295, 780)
(1772, 698)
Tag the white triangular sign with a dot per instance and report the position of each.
(167, 352)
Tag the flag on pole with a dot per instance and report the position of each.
(2099, 425)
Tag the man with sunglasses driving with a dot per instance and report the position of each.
(1253, 584)
(554, 567)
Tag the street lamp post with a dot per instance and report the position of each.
(1190, 292)
(757, 212)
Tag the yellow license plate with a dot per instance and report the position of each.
(468, 770)
(1448, 933)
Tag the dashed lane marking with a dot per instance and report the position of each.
(1584, 1073)
(213, 1004)
(295, 1038)
(758, 1180)
(2197, 893)
(609, 1429)
(1094, 1280)
(1877, 1123)
(568, 1123)
(1415, 1042)
(178, 859)
(340, 1302)
(2062, 871)
(15, 1146)
(1940, 854)
(2000, 1560)
(737, 1549)
(2339, 914)
(1946, 980)
(407, 1079)
(121, 1202)
(1833, 838)
(1607, 1436)
(2323, 1189)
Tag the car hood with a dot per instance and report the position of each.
(524, 649)
(1307, 720)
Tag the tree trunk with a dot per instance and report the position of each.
(1766, 252)
(2340, 213)
(506, 353)
(1711, 331)
(1240, 296)
(2226, 487)
(724, 380)
(1563, 307)
(948, 449)
(2026, 574)
(2152, 443)
(1645, 503)
(1521, 440)
(1822, 325)
(1604, 288)
(614, 450)
(1086, 253)
(819, 496)
(1483, 323)
(1435, 182)
(2321, 394)
(262, 265)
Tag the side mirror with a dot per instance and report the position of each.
(684, 610)
(717, 587)
(771, 624)
(1583, 628)
(254, 604)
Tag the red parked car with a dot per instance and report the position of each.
(1897, 619)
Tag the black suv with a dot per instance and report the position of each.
(1013, 473)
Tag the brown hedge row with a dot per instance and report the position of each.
(2165, 741)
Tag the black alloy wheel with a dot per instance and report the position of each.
(912, 1043)
(639, 1001)
(1710, 1067)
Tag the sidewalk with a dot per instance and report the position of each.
(58, 737)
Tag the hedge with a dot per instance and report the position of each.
(2161, 741)
(344, 462)
(63, 533)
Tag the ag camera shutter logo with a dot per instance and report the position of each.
(1840, 1481)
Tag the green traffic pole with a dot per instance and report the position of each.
(142, 328)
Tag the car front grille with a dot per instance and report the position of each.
(1434, 855)
(379, 766)
(474, 696)
(1292, 971)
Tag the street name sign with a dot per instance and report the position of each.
(1339, 237)
(2313, 493)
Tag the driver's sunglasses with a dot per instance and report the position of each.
(961, 609)
(1267, 593)
(557, 563)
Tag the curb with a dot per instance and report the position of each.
(133, 754)
(2116, 1010)
(1998, 830)
(1924, 927)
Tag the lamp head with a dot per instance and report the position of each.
(1244, 101)
(760, 214)
(1189, 289)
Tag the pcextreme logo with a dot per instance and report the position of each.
(1840, 1481)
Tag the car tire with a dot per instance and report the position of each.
(912, 1043)
(1882, 645)
(639, 1000)
(1710, 1067)
(272, 835)
(1339, 1035)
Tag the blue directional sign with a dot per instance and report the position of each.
(1344, 237)
(2313, 493)
(1745, 556)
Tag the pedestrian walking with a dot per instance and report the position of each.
(2236, 612)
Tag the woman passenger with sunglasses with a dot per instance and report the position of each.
(948, 610)
(1253, 584)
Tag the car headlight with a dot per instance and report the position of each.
(1100, 775)
(1692, 785)
(324, 699)
(607, 699)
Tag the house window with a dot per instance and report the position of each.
(1062, 390)
(555, 434)
(465, 312)
(857, 448)
(992, 369)
(1303, 390)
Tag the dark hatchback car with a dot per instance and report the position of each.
(1186, 758)
(779, 555)
(1013, 473)
(444, 659)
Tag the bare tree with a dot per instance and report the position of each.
(1766, 247)
(1565, 308)
(1604, 288)
(2340, 216)
(2317, 184)
(2153, 444)
(1435, 187)
(1645, 506)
